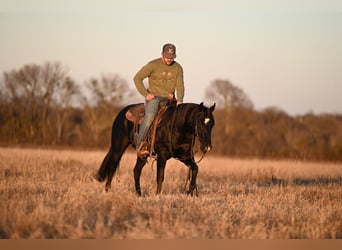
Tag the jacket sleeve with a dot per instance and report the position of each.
(180, 85)
(143, 73)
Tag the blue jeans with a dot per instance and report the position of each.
(151, 110)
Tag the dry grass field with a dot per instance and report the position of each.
(52, 194)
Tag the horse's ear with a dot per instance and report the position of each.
(201, 105)
(212, 108)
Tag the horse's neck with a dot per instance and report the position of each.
(185, 117)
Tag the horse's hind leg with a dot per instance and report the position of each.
(108, 168)
(137, 173)
(110, 164)
(102, 172)
(160, 173)
(121, 131)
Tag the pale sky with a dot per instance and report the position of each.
(284, 54)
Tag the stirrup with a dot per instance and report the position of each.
(142, 152)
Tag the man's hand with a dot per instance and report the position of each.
(149, 97)
(178, 102)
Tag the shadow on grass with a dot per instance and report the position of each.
(319, 181)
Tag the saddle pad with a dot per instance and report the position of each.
(136, 113)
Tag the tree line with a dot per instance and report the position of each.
(42, 105)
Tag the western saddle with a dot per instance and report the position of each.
(136, 115)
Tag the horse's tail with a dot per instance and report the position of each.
(120, 141)
(106, 164)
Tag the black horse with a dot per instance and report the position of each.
(175, 137)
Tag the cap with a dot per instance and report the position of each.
(169, 51)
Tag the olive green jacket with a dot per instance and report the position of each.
(162, 79)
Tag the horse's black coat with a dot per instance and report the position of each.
(175, 138)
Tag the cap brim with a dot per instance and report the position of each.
(170, 56)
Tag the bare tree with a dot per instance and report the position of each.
(105, 95)
(110, 90)
(63, 98)
(227, 95)
(36, 93)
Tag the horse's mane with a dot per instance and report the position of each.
(182, 114)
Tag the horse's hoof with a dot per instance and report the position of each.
(138, 192)
(191, 191)
(98, 178)
(107, 187)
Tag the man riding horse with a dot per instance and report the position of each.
(173, 136)
(165, 76)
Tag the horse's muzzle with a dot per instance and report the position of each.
(206, 149)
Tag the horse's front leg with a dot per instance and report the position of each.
(160, 173)
(140, 163)
(193, 171)
(193, 184)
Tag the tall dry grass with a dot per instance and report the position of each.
(52, 194)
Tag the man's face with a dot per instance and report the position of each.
(167, 61)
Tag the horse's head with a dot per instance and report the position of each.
(204, 124)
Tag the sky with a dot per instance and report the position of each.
(283, 54)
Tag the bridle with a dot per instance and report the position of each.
(194, 137)
(193, 141)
